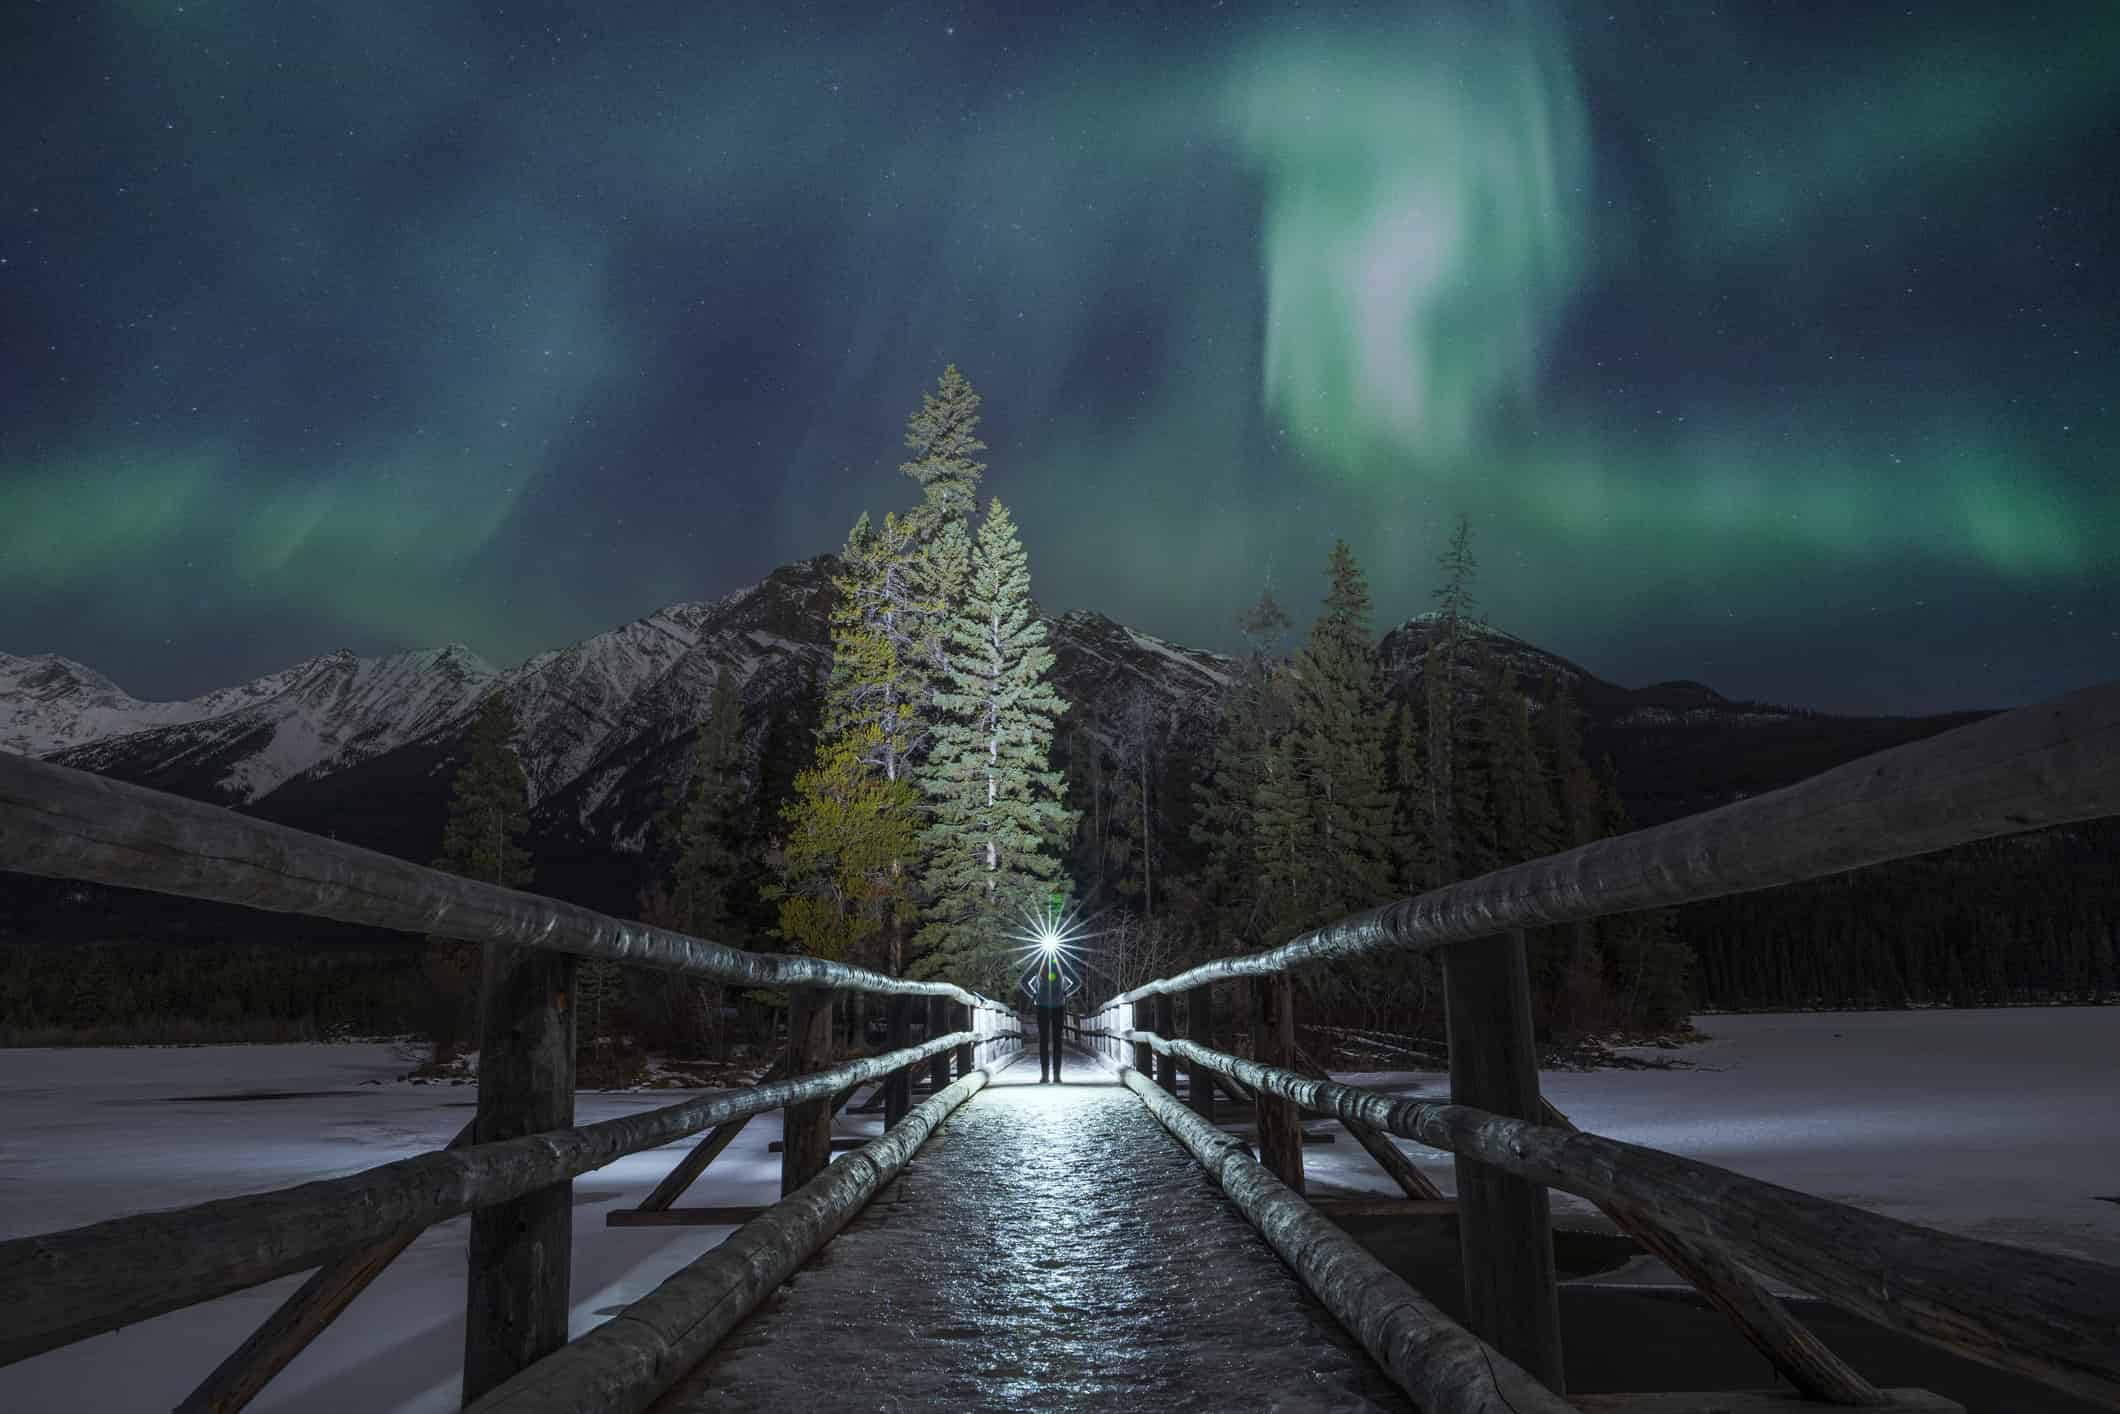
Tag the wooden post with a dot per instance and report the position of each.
(1505, 1228)
(966, 1061)
(938, 1021)
(807, 1141)
(521, 1251)
(1143, 1015)
(1273, 1042)
(1200, 1030)
(898, 1085)
(1167, 1028)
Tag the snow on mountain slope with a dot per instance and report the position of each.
(327, 713)
(49, 703)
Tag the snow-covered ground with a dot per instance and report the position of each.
(1995, 1123)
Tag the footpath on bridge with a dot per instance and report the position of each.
(1051, 1248)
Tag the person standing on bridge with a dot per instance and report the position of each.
(1050, 980)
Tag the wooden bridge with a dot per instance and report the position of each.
(1053, 1248)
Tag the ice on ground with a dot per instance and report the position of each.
(1997, 1124)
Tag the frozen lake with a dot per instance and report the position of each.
(1999, 1124)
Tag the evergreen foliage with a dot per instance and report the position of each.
(998, 824)
(488, 805)
(1334, 796)
(943, 437)
(713, 824)
(849, 830)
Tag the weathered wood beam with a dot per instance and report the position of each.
(2052, 1318)
(520, 1257)
(300, 1319)
(703, 1153)
(898, 1033)
(1200, 1029)
(627, 1362)
(1445, 1368)
(734, 1216)
(1800, 1357)
(1389, 1156)
(1754, 1401)
(1505, 1223)
(807, 1132)
(2042, 765)
(1167, 1022)
(67, 824)
(938, 1021)
(59, 1287)
(1273, 1040)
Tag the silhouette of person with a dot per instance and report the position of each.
(1050, 980)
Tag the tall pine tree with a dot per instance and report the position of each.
(998, 825)
(1455, 607)
(488, 814)
(712, 824)
(1338, 757)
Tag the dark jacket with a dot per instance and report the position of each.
(1050, 980)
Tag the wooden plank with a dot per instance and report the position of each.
(683, 1217)
(1144, 1020)
(2024, 770)
(841, 1143)
(628, 1361)
(1761, 1401)
(521, 1251)
(1390, 1158)
(1504, 1222)
(1200, 1028)
(1792, 1348)
(807, 1130)
(1166, 1008)
(1366, 1207)
(59, 1287)
(67, 824)
(1445, 1368)
(967, 1060)
(705, 1152)
(938, 1021)
(2052, 1318)
(300, 1319)
(1273, 1041)
(898, 1085)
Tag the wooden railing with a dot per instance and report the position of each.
(512, 1168)
(2055, 1319)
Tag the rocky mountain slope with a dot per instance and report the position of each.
(364, 749)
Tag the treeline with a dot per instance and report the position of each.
(1320, 795)
(2025, 920)
(143, 993)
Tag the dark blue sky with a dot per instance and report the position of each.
(1772, 347)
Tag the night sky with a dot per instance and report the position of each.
(1768, 344)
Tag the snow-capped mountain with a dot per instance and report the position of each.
(365, 748)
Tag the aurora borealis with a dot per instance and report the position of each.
(1770, 345)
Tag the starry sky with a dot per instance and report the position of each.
(1770, 344)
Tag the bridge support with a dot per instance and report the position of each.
(898, 1085)
(1200, 1030)
(521, 1251)
(1273, 1041)
(1505, 1227)
(1144, 1019)
(938, 1024)
(806, 1146)
(966, 1061)
(1167, 1027)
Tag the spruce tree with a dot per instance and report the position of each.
(943, 437)
(1523, 821)
(1455, 605)
(998, 825)
(488, 805)
(488, 814)
(711, 823)
(1338, 756)
(849, 829)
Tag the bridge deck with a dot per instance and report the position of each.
(1052, 1248)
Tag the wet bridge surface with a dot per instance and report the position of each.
(1051, 1248)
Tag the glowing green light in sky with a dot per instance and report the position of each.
(1419, 229)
